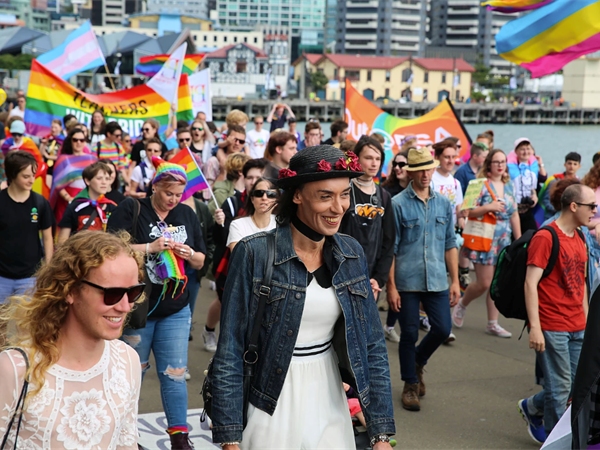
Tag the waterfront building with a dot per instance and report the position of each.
(581, 82)
(393, 78)
(382, 28)
(462, 28)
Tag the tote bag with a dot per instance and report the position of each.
(479, 231)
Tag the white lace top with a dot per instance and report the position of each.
(95, 409)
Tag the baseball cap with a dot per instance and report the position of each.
(17, 127)
(520, 141)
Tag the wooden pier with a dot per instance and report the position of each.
(498, 113)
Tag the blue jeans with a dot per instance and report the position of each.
(167, 337)
(437, 307)
(559, 363)
(193, 286)
(10, 287)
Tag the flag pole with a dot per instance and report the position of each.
(112, 84)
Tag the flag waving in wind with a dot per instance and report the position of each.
(166, 81)
(79, 52)
(150, 65)
(195, 178)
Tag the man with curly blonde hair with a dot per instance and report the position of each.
(84, 382)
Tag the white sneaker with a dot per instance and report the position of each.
(497, 330)
(450, 338)
(187, 376)
(458, 315)
(210, 340)
(391, 335)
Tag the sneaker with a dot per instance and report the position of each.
(458, 315)
(497, 330)
(210, 340)
(187, 376)
(391, 335)
(464, 279)
(535, 424)
(450, 338)
(424, 322)
(410, 397)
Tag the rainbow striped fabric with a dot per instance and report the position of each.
(196, 180)
(150, 65)
(49, 97)
(514, 6)
(551, 36)
(68, 168)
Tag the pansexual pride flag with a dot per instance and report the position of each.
(196, 180)
(514, 6)
(79, 52)
(549, 37)
(49, 97)
(150, 65)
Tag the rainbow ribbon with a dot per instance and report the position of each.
(170, 266)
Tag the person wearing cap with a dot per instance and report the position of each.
(168, 234)
(425, 250)
(17, 137)
(321, 325)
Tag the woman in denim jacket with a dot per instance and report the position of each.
(320, 326)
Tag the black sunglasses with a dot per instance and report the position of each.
(113, 295)
(197, 129)
(400, 164)
(258, 193)
(185, 139)
(17, 134)
(77, 140)
(241, 141)
(146, 129)
(589, 205)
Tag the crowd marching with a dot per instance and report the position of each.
(109, 268)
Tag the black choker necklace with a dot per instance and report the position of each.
(306, 230)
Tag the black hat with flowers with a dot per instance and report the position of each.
(317, 163)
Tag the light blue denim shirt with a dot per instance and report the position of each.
(424, 232)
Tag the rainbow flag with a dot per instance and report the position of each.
(546, 39)
(79, 52)
(27, 145)
(150, 65)
(514, 6)
(49, 97)
(68, 168)
(196, 180)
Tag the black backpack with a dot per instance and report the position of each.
(508, 285)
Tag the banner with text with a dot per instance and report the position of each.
(49, 97)
(364, 117)
(200, 90)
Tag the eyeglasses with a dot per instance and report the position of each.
(258, 193)
(499, 163)
(185, 139)
(197, 129)
(240, 141)
(589, 205)
(147, 130)
(400, 164)
(118, 136)
(127, 141)
(258, 123)
(459, 146)
(113, 295)
(75, 140)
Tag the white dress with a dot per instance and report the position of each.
(95, 409)
(312, 410)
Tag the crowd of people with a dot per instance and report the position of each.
(108, 270)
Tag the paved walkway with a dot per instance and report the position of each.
(472, 387)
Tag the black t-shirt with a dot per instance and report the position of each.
(185, 229)
(76, 220)
(329, 142)
(139, 146)
(20, 223)
(278, 123)
(115, 196)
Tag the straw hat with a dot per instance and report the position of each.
(420, 159)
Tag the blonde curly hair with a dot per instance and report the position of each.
(40, 316)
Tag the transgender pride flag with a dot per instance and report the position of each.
(79, 52)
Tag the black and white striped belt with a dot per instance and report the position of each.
(313, 349)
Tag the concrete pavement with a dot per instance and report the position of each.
(472, 386)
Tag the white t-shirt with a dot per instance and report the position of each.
(138, 176)
(16, 112)
(257, 142)
(244, 227)
(450, 188)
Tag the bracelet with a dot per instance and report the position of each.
(223, 444)
(192, 253)
(379, 438)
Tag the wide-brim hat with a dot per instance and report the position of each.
(321, 162)
(420, 159)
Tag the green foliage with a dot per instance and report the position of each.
(482, 74)
(477, 96)
(18, 62)
(318, 81)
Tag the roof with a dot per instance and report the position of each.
(121, 42)
(12, 39)
(364, 61)
(222, 52)
(444, 64)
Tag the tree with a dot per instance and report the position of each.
(481, 76)
(318, 81)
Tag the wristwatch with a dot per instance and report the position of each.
(379, 438)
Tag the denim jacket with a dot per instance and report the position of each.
(358, 337)
(424, 232)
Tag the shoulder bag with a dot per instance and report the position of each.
(479, 231)
(250, 356)
(20, 403)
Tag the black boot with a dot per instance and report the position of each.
(181, 441)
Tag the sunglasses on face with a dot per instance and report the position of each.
(147, 130)
(258, 123)
(185, 139)
(258, 193)
(197, 129)
(240, 141)
(113, 295)
(400, 164)
(118, 136)
(127, 141)
(75, 140)
(589, 205)
(17, 134)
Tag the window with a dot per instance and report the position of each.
(336, 74)
(387, 92)
(235, 39)
(444, 78)
(457, 78)
(224, 38)
(205, 38)
(388, 75)
(426, 77)
(353, 75)
(368, 75)
(221, 67)
(424, 94)
(241, 66)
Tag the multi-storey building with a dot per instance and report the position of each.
(190, 7)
